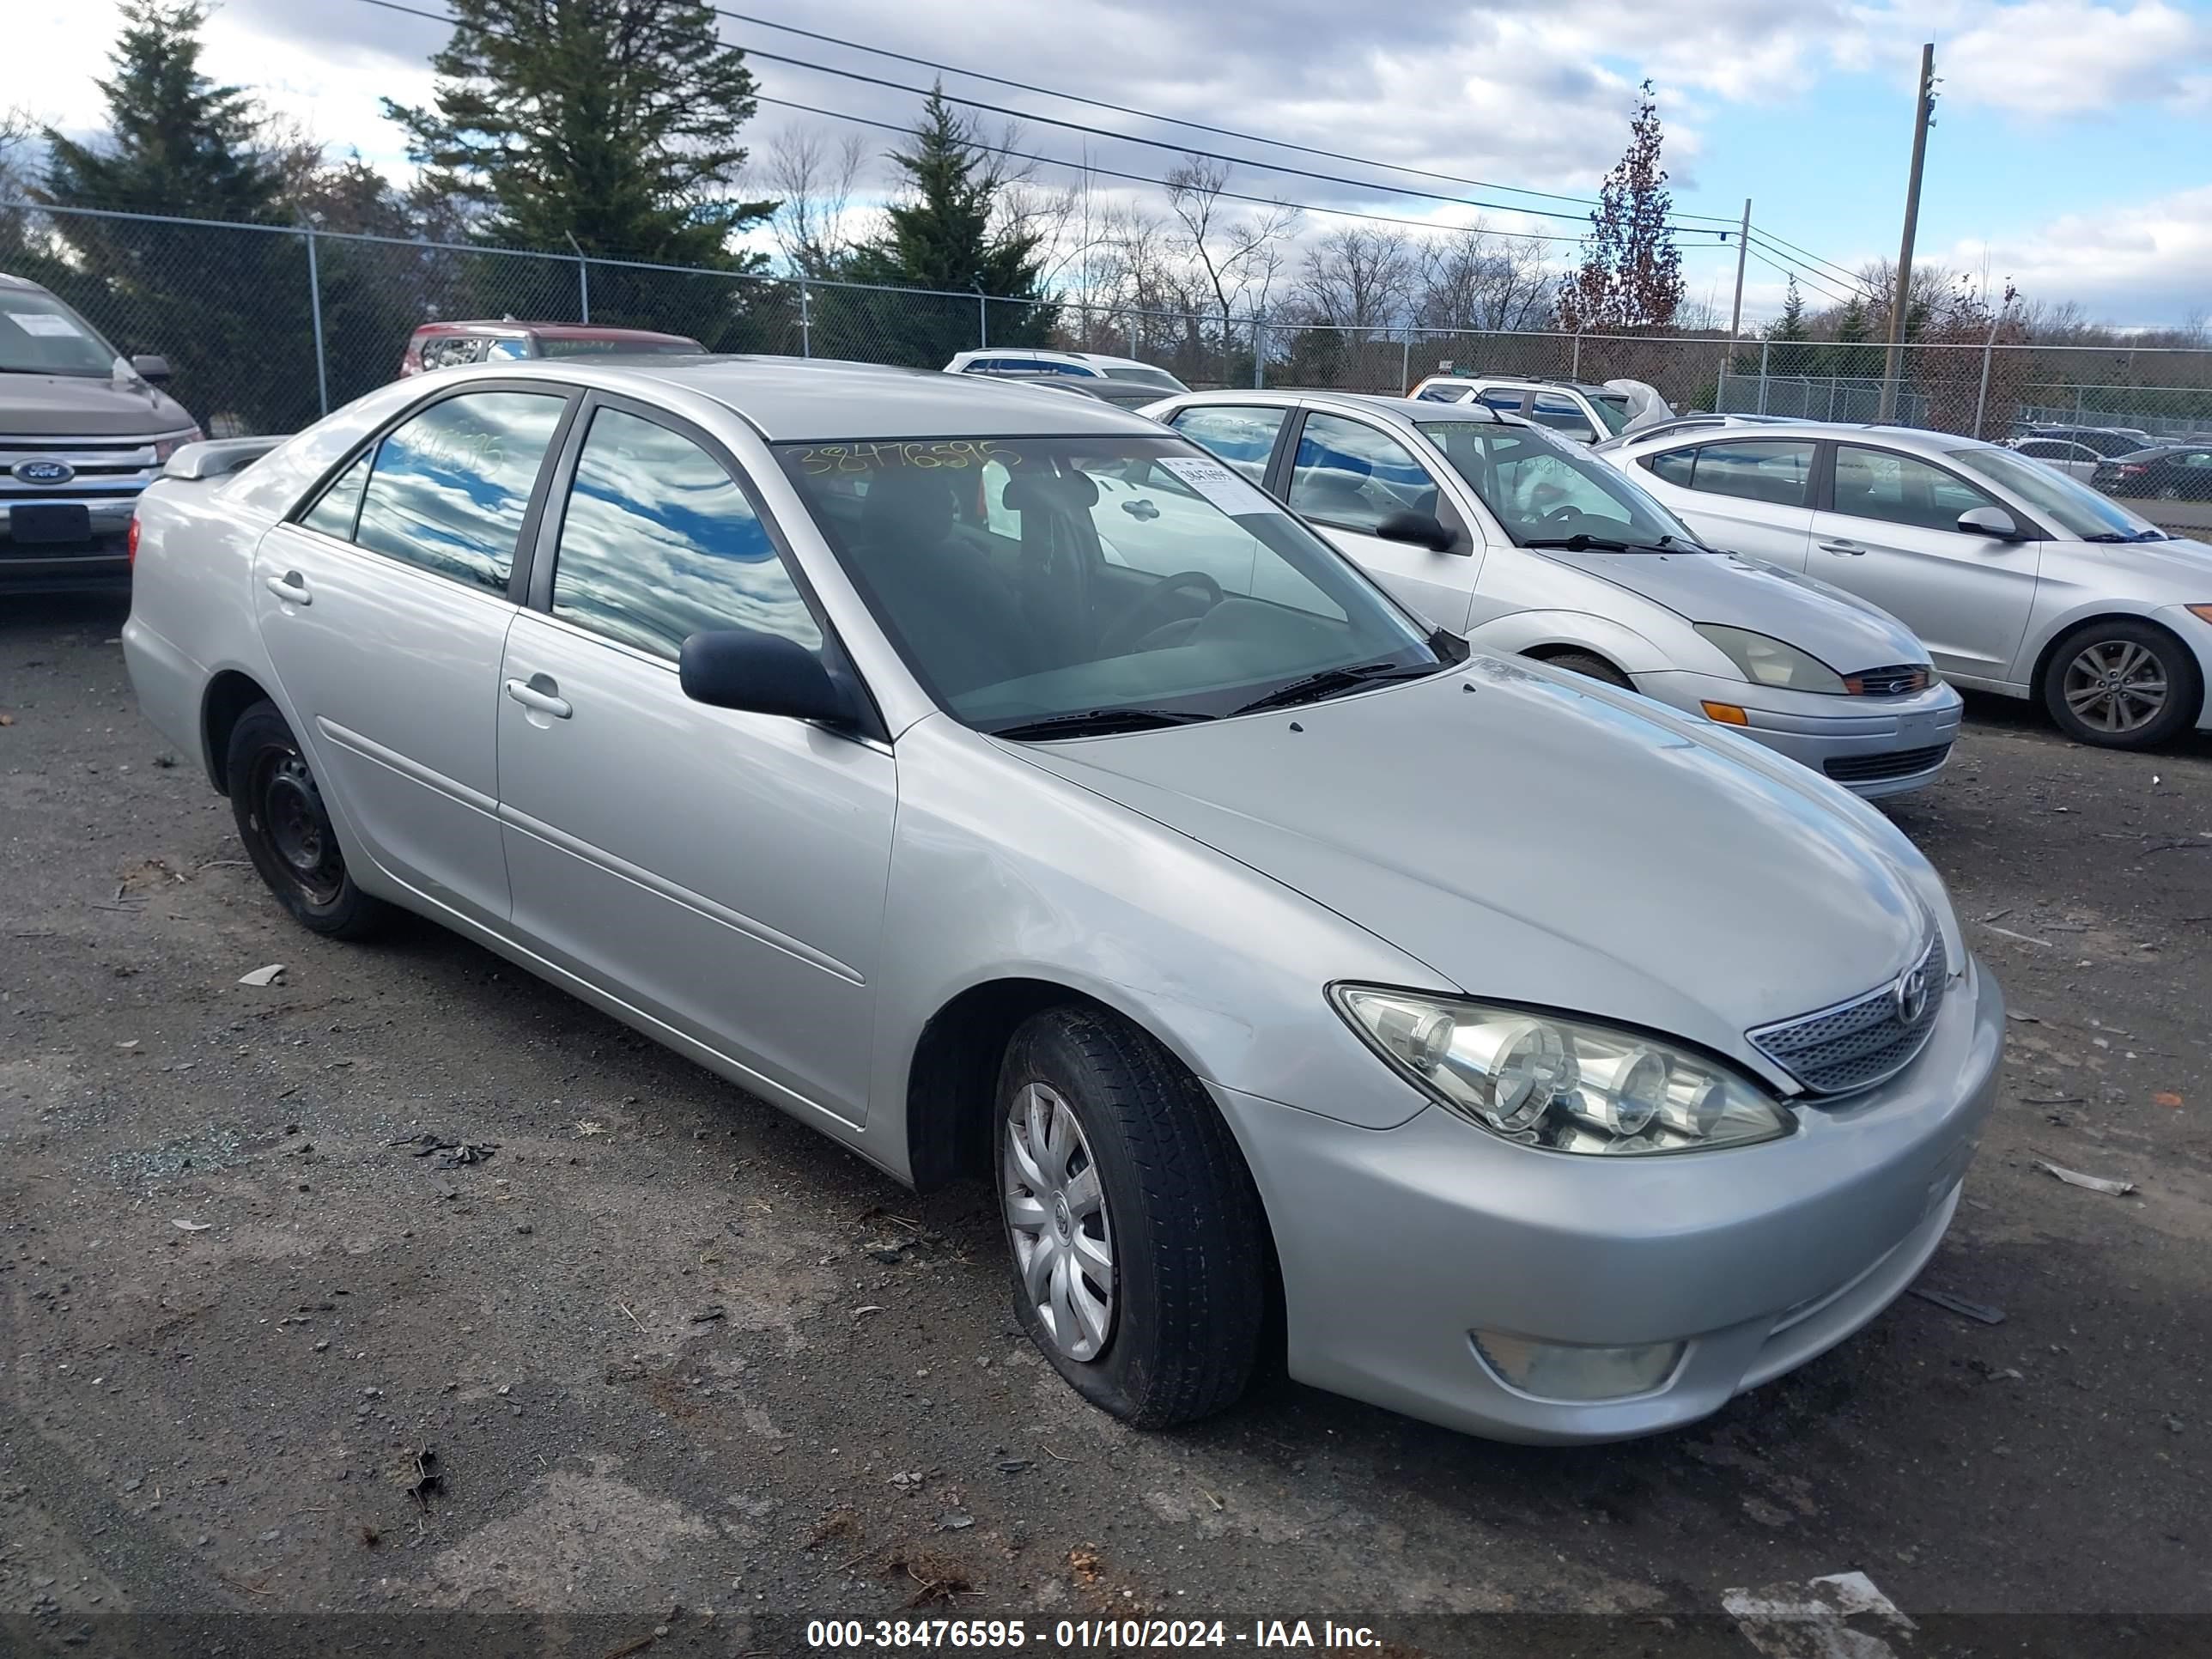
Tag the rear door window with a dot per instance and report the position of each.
(1244, 436)
(1772, 470)
(448, 488)
(1561, 413)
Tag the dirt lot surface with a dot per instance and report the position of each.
(687, 1373)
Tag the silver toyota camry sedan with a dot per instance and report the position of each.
(2022, 580)
(1514, 1051)
(1514, 536)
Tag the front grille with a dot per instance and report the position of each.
(1873, 769)
(1856, 1044)
(1901, 681)
(105, 468)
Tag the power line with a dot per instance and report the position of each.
(1854, 288)
(1143, 179)
(1761, 231)
(1088, 166)
(1800, 276)
(1174, 120)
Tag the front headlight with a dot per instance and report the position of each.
(1765, 661)
(1564, 1085)
(165, 447)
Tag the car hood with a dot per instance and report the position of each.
(79, 406)
(1739, 592)
(1537, 838)
(2187, 564)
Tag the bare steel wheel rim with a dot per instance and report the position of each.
(296, 828)
(1056, 1216)
(2116, 686)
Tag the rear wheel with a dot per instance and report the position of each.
(1590, 667)
(288, 831)
(2122, 684)
(1139, 1264)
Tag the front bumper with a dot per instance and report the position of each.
(1872, 746)
(1396, 1244)
(100, 560)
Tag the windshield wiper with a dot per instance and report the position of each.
(1580, 542)
(1315, 686)
(1097, 721)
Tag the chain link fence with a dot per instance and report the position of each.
(265, 327)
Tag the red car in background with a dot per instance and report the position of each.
(442, 345)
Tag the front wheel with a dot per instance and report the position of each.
(1592, 667)
(288, 831)
(2122, 684)
(1135, 1236)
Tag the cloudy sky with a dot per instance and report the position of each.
(2072, 155)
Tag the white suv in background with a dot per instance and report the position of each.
(1571, 408)
(1028, 360)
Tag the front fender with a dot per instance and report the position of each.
(1521, 632)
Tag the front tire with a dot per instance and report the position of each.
(1590, 667)
(287, 830)
(2121, 683)
(1133, 1232)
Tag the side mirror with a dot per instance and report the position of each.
(1419, 530)
(1992, 521)
(148, 367)
(763, 674)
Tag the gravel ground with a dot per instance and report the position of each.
(690, 1374)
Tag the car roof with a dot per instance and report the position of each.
(1405, 411)
(1053, 354)
(510, 326)
(22, 283)
(811, 400)
(1906, 436)
(1547, 382)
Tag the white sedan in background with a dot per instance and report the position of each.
(1523, 541)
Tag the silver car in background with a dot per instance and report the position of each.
(1557, 1067)
(2022, 581)
(1517, 538)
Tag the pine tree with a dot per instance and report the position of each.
(1632, 272)
(228, 308)
(942, 236)
(1786, 354)
(176, 142)
(605, 125)
(613, 122)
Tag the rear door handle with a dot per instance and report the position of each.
(543, 702)
(291, 587)
(1849, 549)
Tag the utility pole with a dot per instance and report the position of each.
(1736, 316)
(1900, 299)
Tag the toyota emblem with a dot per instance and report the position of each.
(1912, 995)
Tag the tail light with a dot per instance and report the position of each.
(2127, 470)
(131, 542)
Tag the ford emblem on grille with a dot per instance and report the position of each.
(44, 472)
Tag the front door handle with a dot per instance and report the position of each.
(291, 587)
(1849, 549)
(543, 702)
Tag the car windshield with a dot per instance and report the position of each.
(1612, 409)
(558, 346)
(39, 335)
(1107, 581)
(2077, 510)
(1144, 376)
(1546, 491)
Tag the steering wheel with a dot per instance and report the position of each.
(1148, 613)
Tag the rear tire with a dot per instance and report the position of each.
(1590, 667)
(2122, 684)
(288, 831)
(1134, 1235)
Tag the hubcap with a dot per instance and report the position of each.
(1056, 1216)
(2116, 686)
(297, 828)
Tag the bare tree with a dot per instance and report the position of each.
(1358, 279)
(1476, 280)
(1239, 252)
(814, 178)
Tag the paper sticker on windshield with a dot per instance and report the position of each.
(1226, 488)
(41, 322)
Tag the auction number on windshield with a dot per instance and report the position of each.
(951, 454)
